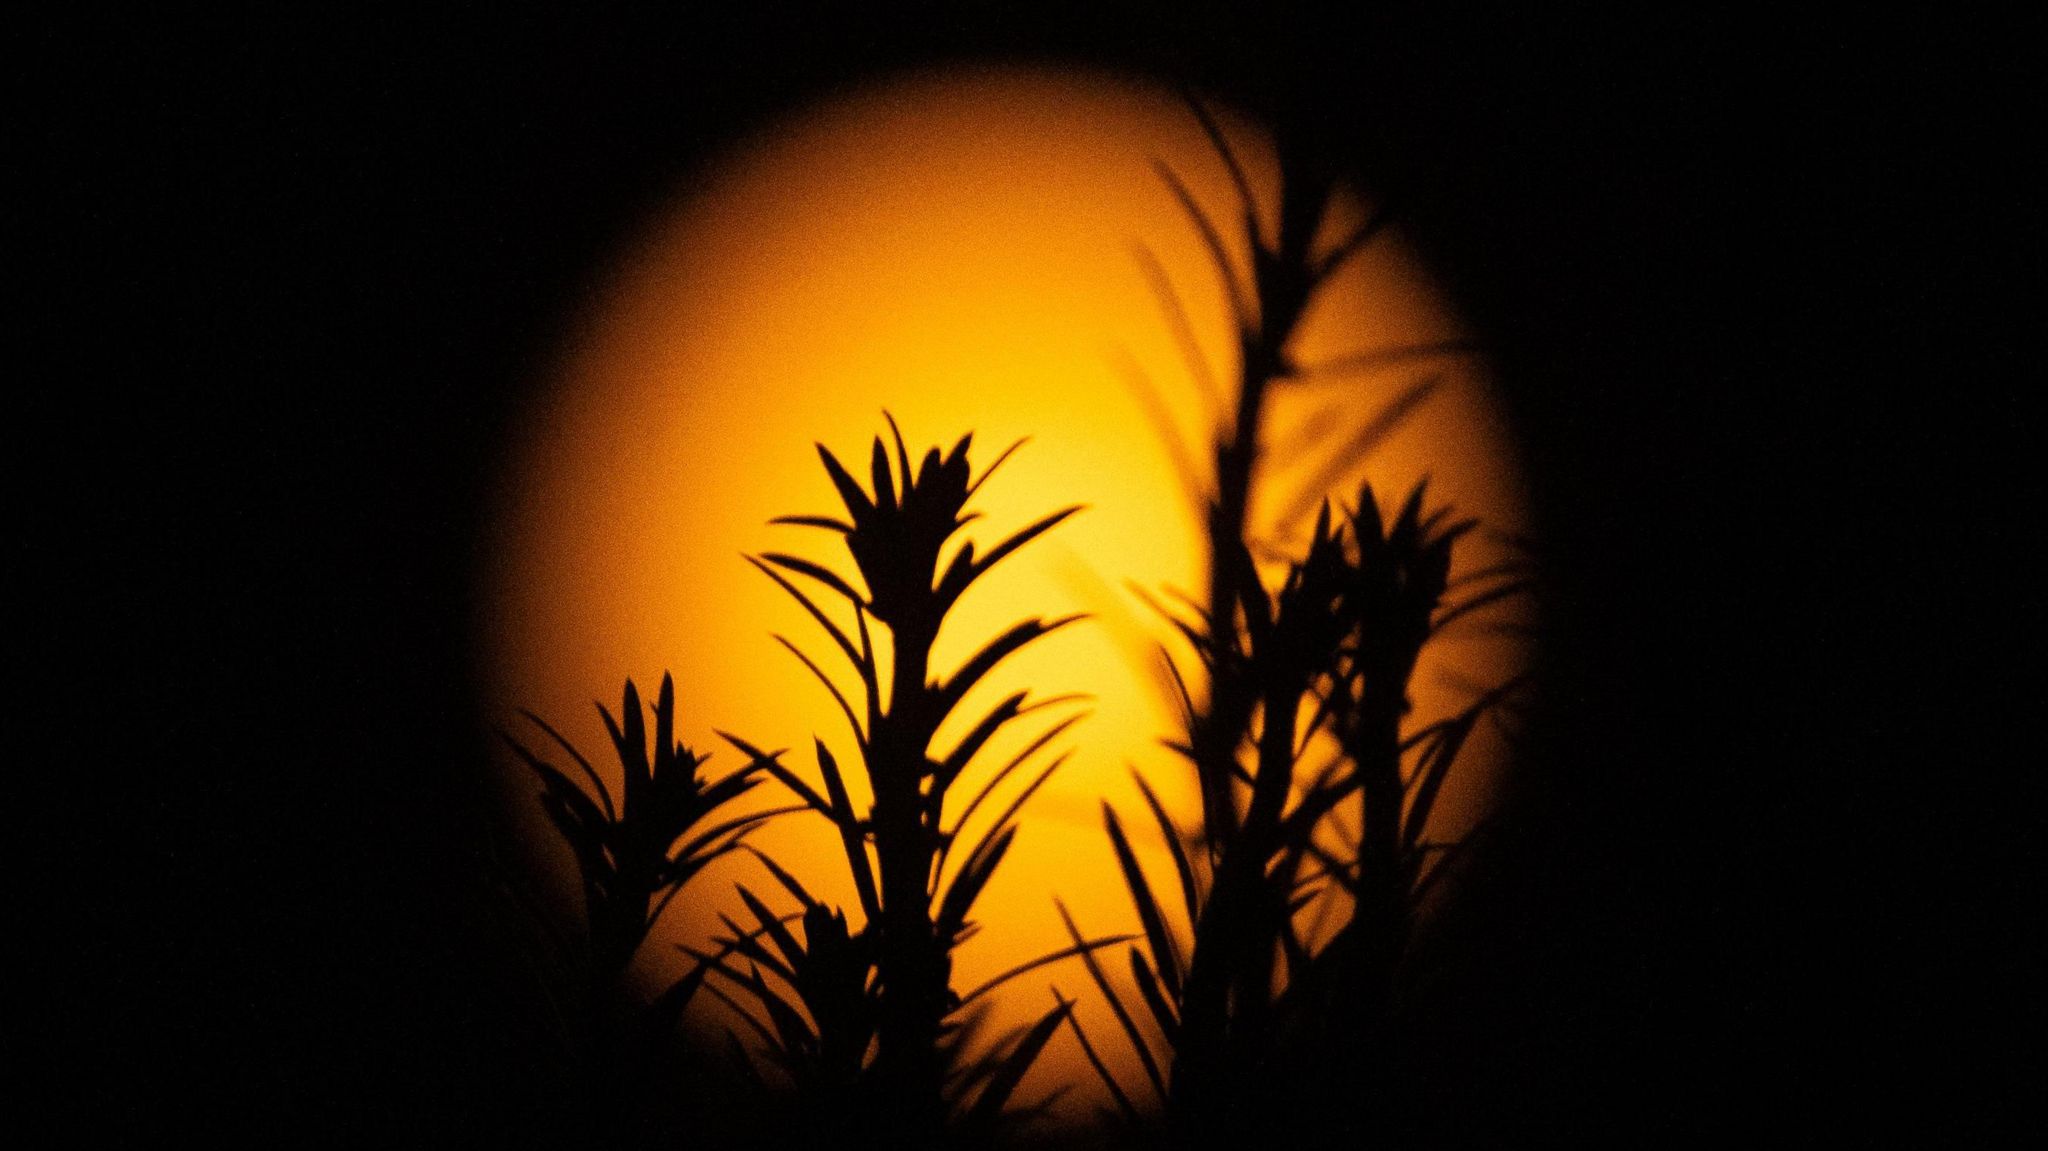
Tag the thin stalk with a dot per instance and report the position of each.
(1224, 952)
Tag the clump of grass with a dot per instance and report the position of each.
(1240, 999)
(835, 990)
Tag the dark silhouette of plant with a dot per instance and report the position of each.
(1295, 716)
(633, 857)
(916, 888)
(1242, 999)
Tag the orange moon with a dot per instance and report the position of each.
(962, 249)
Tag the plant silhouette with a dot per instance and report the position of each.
(917, 876)
(633, 858)
(1315, 785)
(1249, 1008)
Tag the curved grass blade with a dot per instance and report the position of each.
(966, 887)
(878, 473)
(994, 652)
(789, 882)
(1009, 812)
(1116, 1005)
(832, 629)
(1177, 321)
(1351, 245)
(603, 793)
(1116, 1091)
(850, 835)
(989, 1104)
(1183, 867)
(1166, 951)
(1031, 965)
(1241, 306)
(784, 940)
(902, 453)
(770, 763)
(1148, 990)
(816, 571)
(991, 470)
(1237, 178)
(852, 721)
(1003, 773)
(825, 522)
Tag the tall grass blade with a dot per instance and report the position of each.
(1004, 772)
(981, 1120)
(1148, 990)
(1116, 1006)
(850, 835)
(860, 734)
(1164, 949)
(1241, 305)
(832, 629)
(1116, 1090)
(1169, 831)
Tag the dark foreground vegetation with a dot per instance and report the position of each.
(1251, 1020)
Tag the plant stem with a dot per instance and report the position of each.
(914, 967)
(1227, 950)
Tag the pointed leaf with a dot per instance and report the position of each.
(1223, 150)
(850, 837)
(748, 944)
(1241, 307)
(769, 762)
(902, 455)
(824, 621)
(852, 720)
(1156, 934)
(665, 750)
(980, 867)
(956, 761)
(1116, 1091)
(1183, 330)
(1004, 772)
(1116, 1005)
(957, 581)
(878, 472)
(990, 1103)
(597, 783)
(768, 1039)
(995, 652)
(1030, 965)
(629, 737)
(826, 522)
(960, 453)
(816, 571)
(1009, 812)
(736, 823)
(1148, 990)
(796, 1034)
(784, 940)
(789, 882)
(560, 785)
(1183, 867)
(856, 501)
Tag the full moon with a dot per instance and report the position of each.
(987, 251)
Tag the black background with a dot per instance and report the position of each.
(308, 265)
